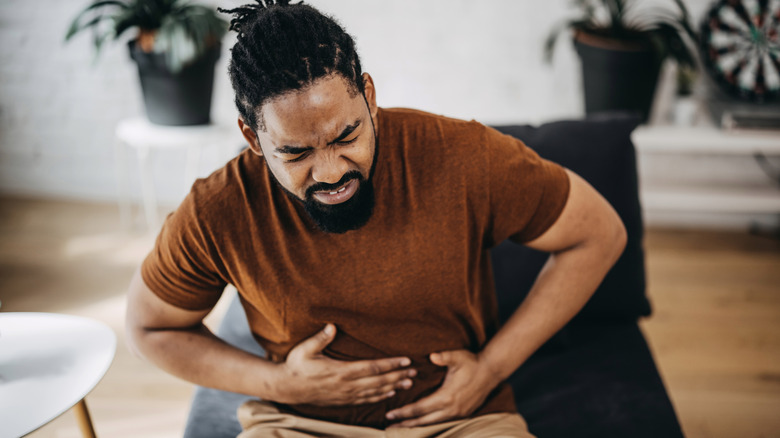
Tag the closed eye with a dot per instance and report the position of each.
(297, 158)
(346, 142)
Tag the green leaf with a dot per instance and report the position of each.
(124, 22)
(667, 29)
(98, 40)
(552, 37)
(674, 45)
(185, 30)
(77, 26)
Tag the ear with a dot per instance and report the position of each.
(250, 136)
(370, 93)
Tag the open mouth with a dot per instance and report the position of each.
(342, 194)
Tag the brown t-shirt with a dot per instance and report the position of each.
(415, 279)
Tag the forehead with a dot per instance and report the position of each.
(314, 114)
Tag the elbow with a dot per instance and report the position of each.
(619, 238)
(136, 333)
(134, 337)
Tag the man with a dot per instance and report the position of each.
(358, 240)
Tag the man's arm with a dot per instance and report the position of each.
(584, 242)
(177, 341)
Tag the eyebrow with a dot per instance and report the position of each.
(292, 150)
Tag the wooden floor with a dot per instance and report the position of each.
(715, 331)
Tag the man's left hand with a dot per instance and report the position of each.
(465, 388)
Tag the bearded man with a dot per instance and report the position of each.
(357, 238)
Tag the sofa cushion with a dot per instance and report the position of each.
(599, 150)
(603, 384)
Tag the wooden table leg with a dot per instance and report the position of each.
(85, 423)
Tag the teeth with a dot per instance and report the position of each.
(338, 191)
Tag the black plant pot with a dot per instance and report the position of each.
(182, 98)
(622, 80)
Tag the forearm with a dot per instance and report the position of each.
(176, 340)
(564, 285)
(198, 356)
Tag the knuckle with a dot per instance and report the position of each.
(346, 374)
(348, 391)
(344, 398)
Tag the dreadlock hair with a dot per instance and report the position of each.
(283, 47)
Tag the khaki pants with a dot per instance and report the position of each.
(261, 420)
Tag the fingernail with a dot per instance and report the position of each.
(390, 416)
(406, 384)
(390, 394)
(405, 362)
(412, 372)
(329, 329)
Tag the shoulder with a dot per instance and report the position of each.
(420, 125)
(218, 198)
(226, 184)
(427, 136)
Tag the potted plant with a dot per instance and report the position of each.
(176, 49)
(622, 45)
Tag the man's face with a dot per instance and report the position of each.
(319, 144)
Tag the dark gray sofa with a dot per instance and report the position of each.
(596, 377)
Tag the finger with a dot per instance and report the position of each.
(394, 378)
(418, 409)
(433, 417)
(367, 368)
(445, 358)
(375, 398)
(400, 385)
(315, 344)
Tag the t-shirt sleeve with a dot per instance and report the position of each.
(527, 193)
(182, 268)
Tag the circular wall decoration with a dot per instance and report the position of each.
(740, 47)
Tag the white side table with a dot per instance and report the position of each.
(48, 364)
(142, 136)
(709, 140)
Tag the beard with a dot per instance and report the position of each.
(338, 218)
(346, 216)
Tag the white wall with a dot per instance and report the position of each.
(467, 59)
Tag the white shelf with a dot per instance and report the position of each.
(703, 199)
(708, 140)
(705, 140)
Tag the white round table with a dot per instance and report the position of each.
(48, 364)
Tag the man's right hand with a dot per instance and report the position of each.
(309, 377)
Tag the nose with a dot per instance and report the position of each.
(329, 166)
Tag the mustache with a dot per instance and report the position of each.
(321, 187)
